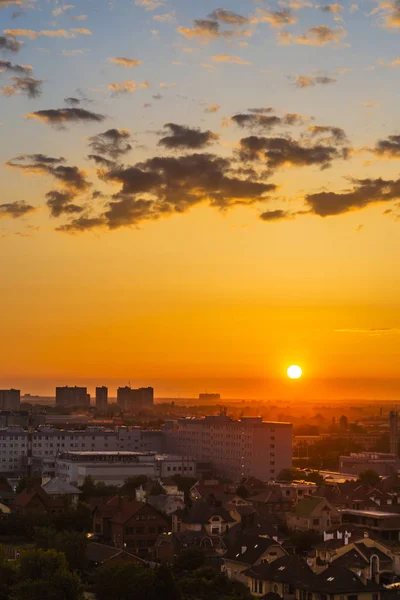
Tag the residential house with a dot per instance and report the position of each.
(386, 524)
(128, 524)
(35, 499)
(100, 554)
(58, 489)
(313, 513)
(292, 579)
(246, 551)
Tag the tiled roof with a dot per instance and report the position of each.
(307, 506)
(27, 495)
(201, 512)
(287, 569)
(59, 486)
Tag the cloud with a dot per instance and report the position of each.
(336, 135)
(229, 58)
(213, 108)
(207, 29)
(61, 116)
(257, 121)
(163, 84)
(29, 86)
(363, 193)
(261, 111)
(165, 18)
(125, 62)
(60, 202)
(10, 44)
(149, 4)
(228, 17)
(388, 148)
(182, 137)
(72, 101)
(331, 8)
(113, 142)
(16, 209)
(370, 104)
(52, 33)
(276, 18)
(388, 14)
(276, 215)
(304, 81)
(6, 65)
(279, 152)
(60, 10)
(316, 36)
(127, 87)
(79, 17)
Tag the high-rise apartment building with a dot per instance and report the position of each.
(10, 399)
(130, 399)
(101, 397)
(237, 449)
(72, 396)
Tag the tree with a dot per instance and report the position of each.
(44, 575)
(71, 543)
(8, 576)
(157, 489)
(133, 483)
(369, 477)
(286, 475)
(26, 482)
(164, 584)
(190, 559)
(123, 581)
(242, 491)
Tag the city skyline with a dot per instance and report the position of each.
(197, 197)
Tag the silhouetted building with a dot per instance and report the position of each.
(102, 397)
(72, 396)
(10, 399)
(130, 399)
(209, 397)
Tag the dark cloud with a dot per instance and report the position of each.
(261, 111)
(390, 147)
(336, 135)
(276, 215)
(256, 121)
(60, 202)
(331, 8)
(29, 86)
(113, 143)
(281, 151)
(304, 81)
(16, 209)
(129, 211)
(206, 29)
(186, 137)
(33, 159)
(81, 224)
(6, 65)
(8, 43)
(157, 97)
(60, 116)
(228, 16)
(72, 101)
(363, 193)
(101, 160)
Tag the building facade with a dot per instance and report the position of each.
(10, 399)
(381, 462)
(133, 399)
(102, 397)
(237, 449)
(72, 396)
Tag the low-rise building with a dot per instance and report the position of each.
(204, 518)
(313, 514)
(380, 462)
(386, 524)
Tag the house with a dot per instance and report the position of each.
(99, 554)
(313, 513)
(292, 579)
(246, 551)
(128, 524)
(57, 488)
(271, 501)
(166, 503)
(35, 499)
(387, 524)
(204, 488)
(204, 517)
(6, 492)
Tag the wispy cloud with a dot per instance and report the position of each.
(316, 36)
(229, 58)
(51, 33)
(125, 62)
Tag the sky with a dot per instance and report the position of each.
(197, 196)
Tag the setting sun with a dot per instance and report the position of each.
(294, 372)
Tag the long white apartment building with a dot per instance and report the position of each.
(247, 447)
(113, 468)
(47, 443)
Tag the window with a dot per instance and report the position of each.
(129, 530)
(315, 522)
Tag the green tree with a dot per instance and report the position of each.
(8, 576)
(133, 483)
(71, 543)
(125, 581)
(164, 585)
(369, 477)
(157, 489)
(43, 575)
(25, 482)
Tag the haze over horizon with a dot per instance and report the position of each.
(197, 197)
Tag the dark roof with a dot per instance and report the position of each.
(248, 549)
(99, 553)
(27, 495)
(202, 512)
(369, 551)
(306, 506)
(286, 569)
(339, 580)
(352, 560)
(6, 491)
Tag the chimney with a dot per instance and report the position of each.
(244, 548)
